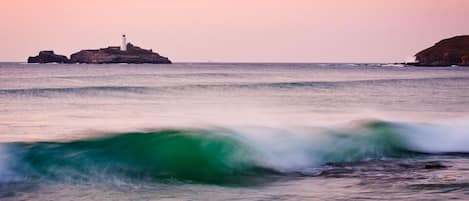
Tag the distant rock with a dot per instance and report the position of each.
(48, 57)
(133, 54)
(451, 51)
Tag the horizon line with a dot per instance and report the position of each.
(243, 62)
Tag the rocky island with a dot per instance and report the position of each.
(448, 52)
(48, 57)
(132, 54)
(127, 53)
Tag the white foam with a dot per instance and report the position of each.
(288, 149)
(453, 138)
(294, 149)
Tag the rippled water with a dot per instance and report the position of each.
(233, 132)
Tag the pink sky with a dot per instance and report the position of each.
(235, 30)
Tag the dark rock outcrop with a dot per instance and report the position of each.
(48, 57)
(133, 54)
(451, 51)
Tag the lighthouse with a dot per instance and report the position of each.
(124, 43)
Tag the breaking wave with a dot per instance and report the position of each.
(223, 156)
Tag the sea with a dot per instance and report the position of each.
(233, 131)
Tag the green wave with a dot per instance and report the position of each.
(205, 156)
(170, 154)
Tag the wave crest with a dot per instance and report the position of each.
(223, 155)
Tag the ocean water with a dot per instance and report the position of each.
(233, 132)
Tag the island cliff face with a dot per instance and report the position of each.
(133, 54)
(451, 51)
(48, 57)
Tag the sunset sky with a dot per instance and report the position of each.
(234, 30)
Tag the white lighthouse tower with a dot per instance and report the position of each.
(124, 43)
